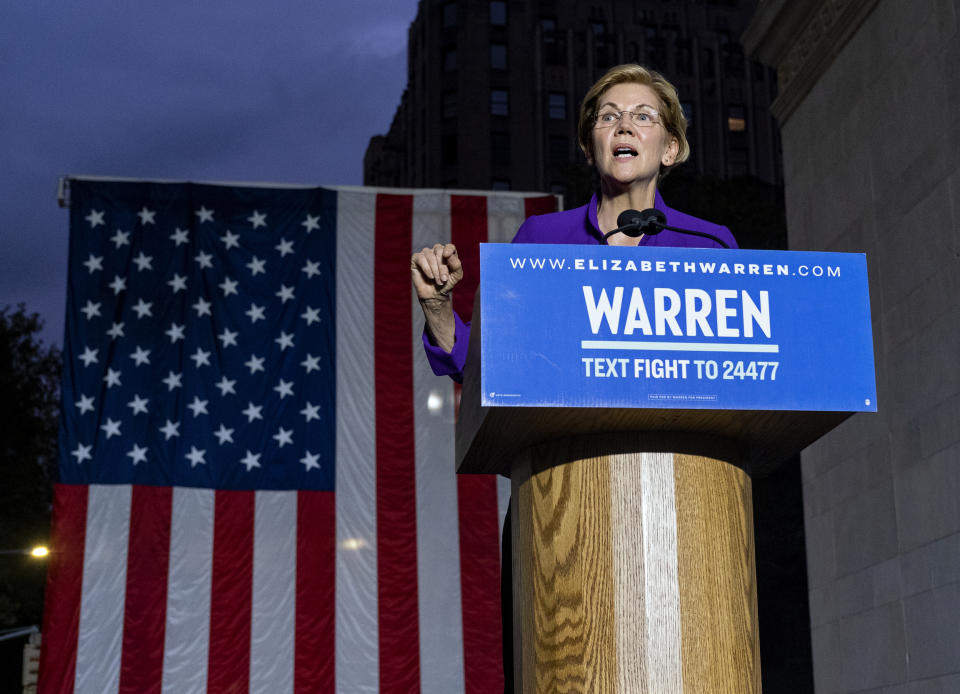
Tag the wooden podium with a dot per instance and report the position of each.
(633, 551)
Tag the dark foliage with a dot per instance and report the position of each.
(29, 407)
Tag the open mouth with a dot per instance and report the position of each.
(624, 152)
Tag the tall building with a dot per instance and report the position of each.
(494, 87)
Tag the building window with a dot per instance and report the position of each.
(500, 184)
(558, 149)
(498, 12)
(448, 146)
(450, 15)
(450, 59)
(499, 102)
(557, 106)
(736, 118)
(449, 104)
(500, 148)
(554, 43)
(498, 56)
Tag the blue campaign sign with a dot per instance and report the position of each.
(604, 326)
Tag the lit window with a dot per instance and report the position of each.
(499, 102)
(736, 119)
(498, 12)
(557, 106)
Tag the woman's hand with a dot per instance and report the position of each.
(435, 272)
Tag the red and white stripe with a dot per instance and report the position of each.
(390, 584)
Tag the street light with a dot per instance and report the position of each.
(40, 551)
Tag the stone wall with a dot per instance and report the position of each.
(871, 150)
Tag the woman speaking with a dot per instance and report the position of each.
(632, 131)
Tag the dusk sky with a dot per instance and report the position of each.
(281, 92)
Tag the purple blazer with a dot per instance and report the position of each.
(578, 225)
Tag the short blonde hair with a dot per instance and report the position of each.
(671, 113)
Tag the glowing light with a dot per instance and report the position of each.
(354, 543)
(434, 402)
(39, 552)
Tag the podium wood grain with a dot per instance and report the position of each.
(633, 572)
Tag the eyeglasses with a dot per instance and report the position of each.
(643, 118)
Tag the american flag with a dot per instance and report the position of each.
(257, 490)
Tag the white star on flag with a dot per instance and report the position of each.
(283, 437)
(85, 404)
(228, 338)
(95, 218)
(118, 285)
(311, 315)
(170, 429)
(112, 378)
(138, 405)
(121, 238)
(226, 386)
(115, 331)
(311, 460)
(311, 412)
(253, 412)
(202, 307)
(285, 247)
(224, 435)
(173, 381)
(143, 261)
(89, 356)
(312, 268)
(256, 266)
(178, 283)
(285, 294)
(141, 356)
(250, 461)
(204, 215)
(311, 223)
(195, 456)
(285, 341)
(228, 286)
(91, 309)
(180, 236)
(146, 216)
(231, 240)
(93, 263)
(111, 428)
(137, 454)
(255, 312)
(175, 332)
(311, 363)
(254, 364)
(204, 260)
(284, 388)
(257, 219)
(198, 406)
(143, 308)
(200, 358)
(82, 453)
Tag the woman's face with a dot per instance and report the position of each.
(626, 152)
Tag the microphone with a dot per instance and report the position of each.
(650, 222)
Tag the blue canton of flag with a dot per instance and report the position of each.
(201, 324)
